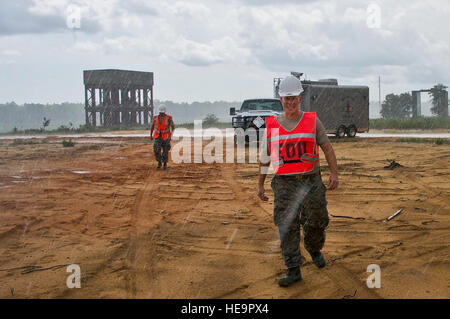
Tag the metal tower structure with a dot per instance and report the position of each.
(118, 97)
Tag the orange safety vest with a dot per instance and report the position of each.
(296, 151)
(161, 128)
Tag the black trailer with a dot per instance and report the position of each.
(343, 109)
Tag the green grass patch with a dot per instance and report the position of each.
(81, 129)
(27, 142)
(342, 139)
(67, 143)
(219, 125)
(90, 129)
(437, 141)
(423, 123)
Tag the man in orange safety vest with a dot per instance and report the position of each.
(161, 132)
(291, 144)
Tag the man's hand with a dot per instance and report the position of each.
(333, 182)
(332, 163)
(261, 194)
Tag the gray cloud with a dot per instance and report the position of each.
(271, 2)
(16, 18)
(242, 42)
(345, 45)
(198, 60)
(139, 7)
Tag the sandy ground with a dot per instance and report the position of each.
(139, 232)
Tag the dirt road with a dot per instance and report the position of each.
(199, 231)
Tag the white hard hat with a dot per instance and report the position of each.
(162, 108)
(290, 86)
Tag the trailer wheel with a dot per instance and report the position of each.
(341, 131)
(351, 130)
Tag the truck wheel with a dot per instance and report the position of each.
(351, 130)
(341, 131)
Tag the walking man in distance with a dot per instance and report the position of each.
(161, 132)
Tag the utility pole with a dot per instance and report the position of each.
(379, 91)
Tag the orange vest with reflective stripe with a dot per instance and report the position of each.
(161, 128)
(293, 152)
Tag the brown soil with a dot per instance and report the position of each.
(139, 232)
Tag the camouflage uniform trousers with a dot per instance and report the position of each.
(299, 202)
(161, 145)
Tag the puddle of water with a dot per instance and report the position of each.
(16, 176)
(18, 181)
(80, 172)
(120, 157)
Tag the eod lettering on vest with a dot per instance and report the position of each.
(296, 151)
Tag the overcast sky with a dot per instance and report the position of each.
(220, 50)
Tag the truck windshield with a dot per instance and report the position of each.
(259, 105)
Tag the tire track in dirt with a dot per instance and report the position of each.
(435, 197)
(101, 273)
(219, 250)
(229, 174)
(221, 272)
(256, 262)
(143, 199)
(165, 255)
(149, 241)
(346, 280)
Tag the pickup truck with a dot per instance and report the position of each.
(252, 115)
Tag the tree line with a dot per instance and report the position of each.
(67, 116)
(401, 105)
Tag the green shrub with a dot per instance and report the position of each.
(424, 123)
(67, 143)
(210, 120)
(23, 142)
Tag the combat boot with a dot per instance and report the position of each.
(165, 165)
(292, 276)
(318, 259)
(159, 164)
